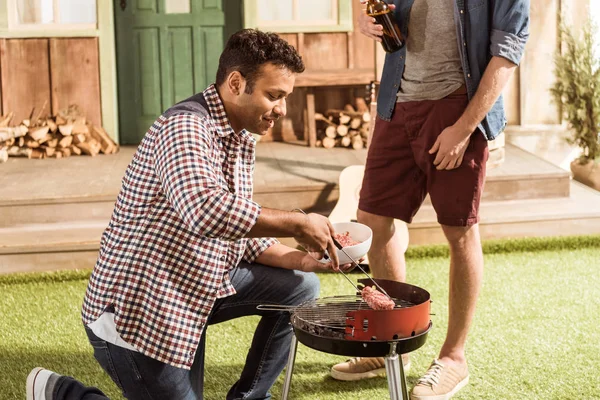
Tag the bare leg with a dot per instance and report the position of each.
(386, 256)
(466, 274)
(386, 260)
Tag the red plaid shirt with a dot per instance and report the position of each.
(177, 230)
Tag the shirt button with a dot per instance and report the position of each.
(468, 75)
(462, 11)
(464, 43)
(222, 258)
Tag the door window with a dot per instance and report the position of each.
(79, 13)
(178, 7)
(298, 15)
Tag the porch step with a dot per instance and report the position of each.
(523, 175)
(65, 245)
(53, 212)
(43, 238)
(578, 214)
(67, 190)
(54, 261)
(314, 184)
(286, 177)
(63, 210)
(50, 246)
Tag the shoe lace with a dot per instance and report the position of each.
(433, 374)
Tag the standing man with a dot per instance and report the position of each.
(186, 248)
(439, 103)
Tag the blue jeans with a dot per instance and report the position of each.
(141, 377)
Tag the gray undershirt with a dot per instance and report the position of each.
(433, 69)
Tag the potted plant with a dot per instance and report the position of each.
(577, 91)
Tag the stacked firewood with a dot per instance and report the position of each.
(62, 135)
(344, 128)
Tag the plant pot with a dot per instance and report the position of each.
(588, 173)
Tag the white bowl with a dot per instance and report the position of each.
(360, 233)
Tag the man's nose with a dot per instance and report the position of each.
(280, 109)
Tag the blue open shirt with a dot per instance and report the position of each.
(485, 28)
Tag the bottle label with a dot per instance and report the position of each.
(375, 14)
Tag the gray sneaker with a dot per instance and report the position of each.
(40, 383)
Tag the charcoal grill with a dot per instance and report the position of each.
(346, 325)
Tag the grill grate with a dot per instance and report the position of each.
(330, 313)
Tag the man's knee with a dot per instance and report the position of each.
(309, 287)
(373, 221)
(461, 235)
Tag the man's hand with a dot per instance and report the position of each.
(453, 141)
(316, 236)
(310, 263)
(281, 256)
(367, 25)
(450, 146)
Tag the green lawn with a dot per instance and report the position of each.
(536, 334)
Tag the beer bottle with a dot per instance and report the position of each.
(392, 39)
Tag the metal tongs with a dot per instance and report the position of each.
(354, 262)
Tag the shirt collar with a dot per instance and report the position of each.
(219, 116)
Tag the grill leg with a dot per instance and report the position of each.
(289, 369)
(395, 377)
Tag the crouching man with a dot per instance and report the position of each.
(186, 246)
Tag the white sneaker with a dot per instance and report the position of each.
(36, 383)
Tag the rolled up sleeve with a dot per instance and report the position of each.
(256, 246)
(184, 166)
(510, 29)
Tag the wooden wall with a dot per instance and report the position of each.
(339, 65)
(527, 97)
(55, 72)
(537, 65)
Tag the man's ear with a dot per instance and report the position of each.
(236, 83)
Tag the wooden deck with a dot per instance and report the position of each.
(52, 212)
(286, 176)
(279, 166)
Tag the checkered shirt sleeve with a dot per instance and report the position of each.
(256, 246)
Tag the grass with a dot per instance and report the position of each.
(535, 336)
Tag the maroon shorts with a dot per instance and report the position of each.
(399, 171)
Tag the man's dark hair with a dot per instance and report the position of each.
(248, 49)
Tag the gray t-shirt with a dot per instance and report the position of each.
(433, 69)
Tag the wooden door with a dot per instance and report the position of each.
(167, 50)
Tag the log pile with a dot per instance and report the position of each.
(344, 128)
(65, 134)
